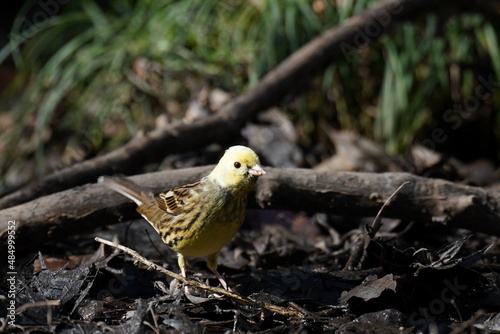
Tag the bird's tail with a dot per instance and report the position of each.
(123, 186)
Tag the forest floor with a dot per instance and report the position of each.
(414, 278)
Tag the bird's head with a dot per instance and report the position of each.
(238, 169)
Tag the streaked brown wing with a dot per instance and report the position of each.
(174, 200)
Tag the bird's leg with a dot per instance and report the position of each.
(212, 265)
(182, 264)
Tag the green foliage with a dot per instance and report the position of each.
(420, 59)
(81, 68)
(413, 71)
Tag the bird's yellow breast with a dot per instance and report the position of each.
(211, 219)
(208, 239)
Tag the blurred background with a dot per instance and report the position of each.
(80, 78)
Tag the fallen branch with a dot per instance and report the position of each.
(309, 60)
(350, 194)
(287, 312)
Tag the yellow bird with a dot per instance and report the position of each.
(198, 219)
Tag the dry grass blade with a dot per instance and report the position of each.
(364, 239)
(376, 222)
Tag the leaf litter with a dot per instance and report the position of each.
(407, 278)
(395, 289)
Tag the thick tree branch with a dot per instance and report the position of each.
(310, 59)
(344, 193)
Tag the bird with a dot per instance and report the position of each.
(200, 218)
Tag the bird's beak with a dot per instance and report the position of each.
(256, 170)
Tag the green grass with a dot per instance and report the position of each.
(77, 68)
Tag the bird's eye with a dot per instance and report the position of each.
(237, 164)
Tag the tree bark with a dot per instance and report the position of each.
(423, 201)
(333, 45)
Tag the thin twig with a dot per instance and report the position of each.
(367, 235)
(469, 323)
(37, 304)
(378, 218)
(287, 312)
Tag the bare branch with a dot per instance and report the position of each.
(343, 193)
(333, 45)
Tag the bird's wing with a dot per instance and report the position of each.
(174, 200)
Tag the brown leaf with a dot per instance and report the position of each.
(372, 287)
